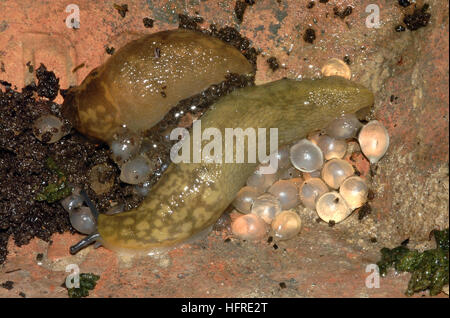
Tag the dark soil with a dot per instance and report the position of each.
(110, 50)
(240, 7)
(121, 9)
(227, 34)
(273, 63)
(148, 23)
(23, 170)
(48, 84)
(239, 10)
(344, 13)
(404, 3)
(418, 19)
(309, 36)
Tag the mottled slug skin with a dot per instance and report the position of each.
(190, 197)
(139, 84)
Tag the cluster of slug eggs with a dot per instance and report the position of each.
(127, 151)
(311, 172)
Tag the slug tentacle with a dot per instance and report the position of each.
(190, 197)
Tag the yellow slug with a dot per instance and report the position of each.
(144, 79)
(190, 197)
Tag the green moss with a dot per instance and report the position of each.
(429, 269)
(55, 191)
(87, 283)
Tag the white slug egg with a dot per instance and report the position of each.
(136, 171)
(261, 182)
(286, 225)
(314, 136)
(48, 129)
(249, 227)
(374, 140)
(306, 156)
(335, 171)
(344, 127)
(336, 67)
(310, 190)
(245, 198)
(331, 206)
(331, 147)
(314, 174)
(73, 201)
(142, 190)
(82, 220)
(286, 192)
(354, 190)
(283, 157)
(289, 173)
(124, 146)
(266, 206)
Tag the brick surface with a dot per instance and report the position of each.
(321, 261)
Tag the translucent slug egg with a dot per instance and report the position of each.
(143, 190)
(289, 173)
(73, 201)
(266, 206)
(331, 147)
(283, 157)
(261, 182)
(286, 225)
(374, 140)
(331, 206)
(125, 145)
(314, 174)
(314, 136)
(136, 171)
(354, 190)
(249, 227)
(344, 127)
(286, 192)
(335, 171)
(306, 156)
(48, 129)
(245, 198)
(82, 220)
(337, 67)
(310, 190)
(297, 182)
